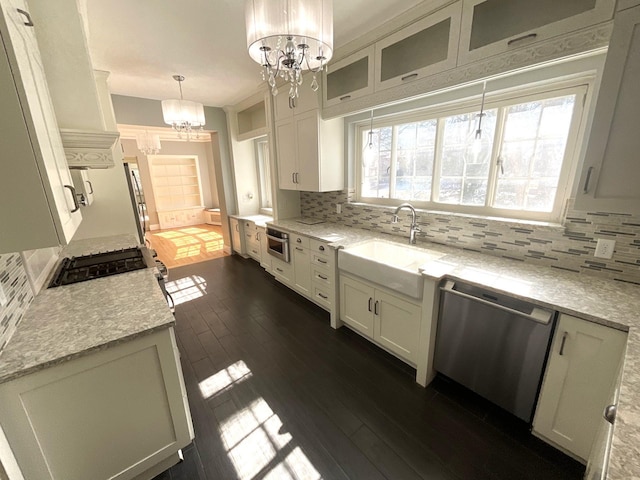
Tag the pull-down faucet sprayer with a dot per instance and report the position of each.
(414, 226)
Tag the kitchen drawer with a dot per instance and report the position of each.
(320, 260)
(321, 276)
(321, 295)
(299, 240)
(282, 271)
(253, 249)
(319, 247)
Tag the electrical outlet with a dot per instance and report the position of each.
(605, 248)
(3, 298)
(338, 208)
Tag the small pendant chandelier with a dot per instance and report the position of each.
(183, 115)
(148, 143)
(288, 37)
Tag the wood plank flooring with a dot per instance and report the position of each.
(186, 245)
(276, 393)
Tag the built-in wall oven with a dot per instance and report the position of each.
(278, 244)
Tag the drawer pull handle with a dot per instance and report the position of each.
(322, 261)
(321, 248)
(346, 97)
(74, 196)
(409, 77)
(587, 180)
(280, 270)
(300, 249)
(519, 39)
(375, 307)
(90, 187)
(29, 22)
(564, 340)
(369, 307)
(322, 277)
(323, 296)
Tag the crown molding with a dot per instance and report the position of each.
(87, 148)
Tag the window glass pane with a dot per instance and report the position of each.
(415, 153)
(532, 152)
(376, 163)
(464, 167)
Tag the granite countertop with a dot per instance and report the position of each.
(259, 219)
(611, 303)
(70, 321)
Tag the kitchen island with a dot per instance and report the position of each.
(605, 302)
(93, 369)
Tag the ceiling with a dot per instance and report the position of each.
(144, 42)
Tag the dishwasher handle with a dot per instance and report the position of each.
(537, 314)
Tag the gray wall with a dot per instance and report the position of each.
(148, 112)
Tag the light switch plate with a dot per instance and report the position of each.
(3, 297)
(605, 248)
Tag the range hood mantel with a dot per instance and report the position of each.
(88, 149)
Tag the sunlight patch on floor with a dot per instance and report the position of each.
(186, 289)
(259, 446)
(224, 379)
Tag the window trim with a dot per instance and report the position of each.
(581, 86)
(261, 146)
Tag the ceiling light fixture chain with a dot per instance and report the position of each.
(286, 38)
(183, 115)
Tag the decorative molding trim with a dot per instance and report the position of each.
(88, 149)
(89, 158)
(579, 42)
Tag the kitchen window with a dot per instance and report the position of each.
(519, 168)
(264, 174)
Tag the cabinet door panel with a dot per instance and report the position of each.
(356, 305)
(611, 172)
(286, 148)
(490, 27)
(397, 325)
(302, 269)
(402, 57)
(349, 78)
(307, 134)
(581, 371)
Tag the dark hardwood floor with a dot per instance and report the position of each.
(276, 393)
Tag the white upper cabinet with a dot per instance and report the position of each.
(491, 27)
(350, 78)
(38, 202)
(286, 107)
(425, 47)
(611, 172)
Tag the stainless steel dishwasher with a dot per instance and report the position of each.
(494, 345)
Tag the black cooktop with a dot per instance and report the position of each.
(89, 267)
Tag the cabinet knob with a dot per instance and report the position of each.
(321, 248)
(609, 413)
(299, 240)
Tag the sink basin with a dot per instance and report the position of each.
(389, 264)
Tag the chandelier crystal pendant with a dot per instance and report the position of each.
(148, 143)
(183, 115)
(288, 37)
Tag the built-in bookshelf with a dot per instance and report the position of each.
(176, 188)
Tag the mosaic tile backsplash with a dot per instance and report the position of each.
(13, 278)
(568, 248)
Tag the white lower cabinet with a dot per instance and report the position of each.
(283, 271)
(302, 269)
(120, 413)
(237, 235)
(391, 321)
(252, 245)
(580, 375)
(265, 257)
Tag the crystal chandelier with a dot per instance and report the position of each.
(288, 37)
(148, 143)
(183, 115)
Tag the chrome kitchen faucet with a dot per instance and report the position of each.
(414, 226)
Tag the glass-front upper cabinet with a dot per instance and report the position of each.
(350, 78)
(491, 27)
(424, 48)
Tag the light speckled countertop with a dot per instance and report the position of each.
(611, 303)
(259, 219)
(70, 321)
